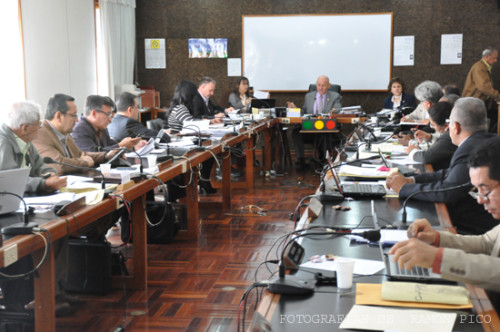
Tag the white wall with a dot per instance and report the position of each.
(59, 49)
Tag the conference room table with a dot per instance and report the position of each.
(135, 194)
(325, 309)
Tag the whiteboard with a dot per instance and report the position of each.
(289, 52)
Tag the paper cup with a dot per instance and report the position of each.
(105, 168)
(151, 160)
(345, 268)
(377, 132)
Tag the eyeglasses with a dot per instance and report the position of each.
(476, 194)
(74, 116)
(108, 114)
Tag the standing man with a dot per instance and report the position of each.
(467, 129)
(316, 103)
(479, 84)
(91, 133)
(54, 139)
(126, 122)
(203, 107)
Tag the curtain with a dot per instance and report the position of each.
(117, 19)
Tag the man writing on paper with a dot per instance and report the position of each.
(467, 129)
(91, 133)
(479, 84)
(471, 259)
(55, 141)
(316, 102)
(203, 107)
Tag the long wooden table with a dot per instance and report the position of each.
(64, 226)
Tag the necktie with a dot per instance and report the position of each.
(321, 104)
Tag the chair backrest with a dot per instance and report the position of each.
(333, 87)
(156, 124)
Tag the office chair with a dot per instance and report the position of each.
(333, 87)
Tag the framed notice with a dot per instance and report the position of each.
(207, 47)
(451, 49)
(156, 56)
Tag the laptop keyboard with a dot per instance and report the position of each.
(362, 188)
(416, 271)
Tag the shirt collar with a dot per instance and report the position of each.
(59, 135)
(487, 65)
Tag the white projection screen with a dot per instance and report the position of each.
(288, 52)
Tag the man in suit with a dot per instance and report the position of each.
(467, 129)
(470, 259)
(54, 139)
(479, 84)
(126, 121)
(203, 106)
(316, 103)
(91, 133)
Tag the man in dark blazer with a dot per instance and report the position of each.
(126, 122)
(203, 107)
(316, 103)
(467, 129)
(91, 133)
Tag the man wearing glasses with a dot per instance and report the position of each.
(54, 139)
(467, 130)
(471, 259)
(91, 133)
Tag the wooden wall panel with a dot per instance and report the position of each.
(179, 20)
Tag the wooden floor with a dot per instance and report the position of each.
(197, 285)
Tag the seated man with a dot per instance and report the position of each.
(21, 125)
(55, 142)
(126, 122)
(91, 133)
(203, 106)
(467, 129)
(316, 102)
(471, 259)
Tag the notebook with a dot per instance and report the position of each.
(356, 189)
(394, 272)
(13, 181)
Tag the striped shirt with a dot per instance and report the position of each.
(177, 116)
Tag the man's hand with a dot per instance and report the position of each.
(140, 144)
(422, 136)
(396, 181)
(412, 253)
(230, 110)
(55, 182)
(88, 160)
(410, 148)
(216, 120)
(421, 229)
(404, 139)
(129, 142)
(290, 104)
(220, 115)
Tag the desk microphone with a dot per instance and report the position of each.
(403, 224)
(161, 135)
(25, 227)
(197, 130)
(48, 160)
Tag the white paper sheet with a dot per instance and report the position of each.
(404, 50)
(374, 318)
(362, 266)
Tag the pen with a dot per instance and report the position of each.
(46, 175)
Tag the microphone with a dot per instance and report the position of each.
(287, 284)
(49, 160)
(19, 228)
(403, 224)
(198, 130)
(161, 135)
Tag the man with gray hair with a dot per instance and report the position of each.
(467, 129)
(203, 107)
(479, 84)
(428, 93)
(20, 127)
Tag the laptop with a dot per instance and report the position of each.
(406, 171)
(394, 272)
(13, 181)
(263, 103)
(361, 190)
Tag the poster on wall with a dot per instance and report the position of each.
(207, 47)
(156, 57)
(451, 49)
(404, 50)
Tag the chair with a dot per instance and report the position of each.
(333, 87)
(156, 124)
